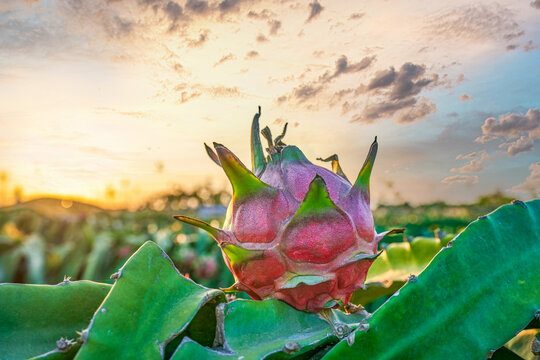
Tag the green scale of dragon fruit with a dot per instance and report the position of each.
(294, 230)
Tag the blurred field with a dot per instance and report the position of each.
(44, 240)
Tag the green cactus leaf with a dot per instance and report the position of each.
(257, 155)
(473, 297)
(237, 254)
(362, 181)
(395, 265)
(214, 232)
(189, 349)
(262, 329)
(201, 329)
(243, 181)
(34, 317)
(316, 201)
(306, 280)
(149, 305)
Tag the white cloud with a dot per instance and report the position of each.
(461, 179)
(531, 185)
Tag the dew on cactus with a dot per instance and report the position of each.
(294, 230)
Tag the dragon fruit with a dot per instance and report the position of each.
(294, 230)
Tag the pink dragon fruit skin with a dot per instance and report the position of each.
(294, 230)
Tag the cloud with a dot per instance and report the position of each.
(418, 111)
(174, 12)
(406, 82)
(189, 92)
(382, 79)
(315, 9)
(531, 185)
(461, 179)
(275, 25)
(224, 91)
(186, 96)
(225, 58)
(465, 97)
(536, 4)
(374, 112)
(397, 90)
(229, 5)
(306, 92)
(482, 155)
(261, 38)
(461, 78)
(356, 16)
(521, 145)
(309, 90)
(511, 125)
(511, 47)
(529, 45)
(475, 22)
(475, 165)
(251, 54)
(264, 14)
(524, 128)
(196, 6)
(198, 42)
(116, 27)
(515, 35)
(344, 67)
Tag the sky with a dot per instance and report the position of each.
(116, 97)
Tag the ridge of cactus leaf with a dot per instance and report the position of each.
(362, 181)
(336, 168)
(212, 154)
(317, 198)
(257, 154)
(243, 181)
(305, 280)
(218, 234)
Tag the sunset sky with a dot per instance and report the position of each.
(122, 94)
